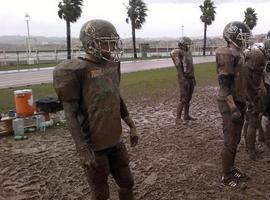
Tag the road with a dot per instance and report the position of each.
(11, 79)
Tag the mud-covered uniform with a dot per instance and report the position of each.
(231, 101)
(265, 101)
(185, 71)
(254, 63)
(93, 85)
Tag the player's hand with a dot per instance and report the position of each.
(236, 115)
(134, 138)
(87, 157)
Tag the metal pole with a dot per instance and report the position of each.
(37, 57)
(18, 60)
(182, 30)
(5, 58)
(27, 19)
(167, 49)
(56, 57)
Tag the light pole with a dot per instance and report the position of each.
(27, 19)
(182, 30)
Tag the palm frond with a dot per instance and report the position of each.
(250, 18)
(208, 12)
(70, 10)
(136, 11)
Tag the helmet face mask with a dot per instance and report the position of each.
(238, 34)
(109, 49)
(100, 39)
(244, 38)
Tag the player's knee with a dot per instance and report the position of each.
(127, 183)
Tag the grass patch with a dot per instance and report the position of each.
(206, 74)
(34, 66)
(137, 85)
(154, 83)
(43, 65)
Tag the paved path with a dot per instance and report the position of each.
(10, 79)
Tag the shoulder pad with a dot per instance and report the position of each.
(177, 52)
(65, 79)
(227, 60)
(71, 64)
(227, 51)
(254, 59)
(258, 53)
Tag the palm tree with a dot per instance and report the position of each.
(136, 11)
(250, 18)
(207, 17)
(70, 11)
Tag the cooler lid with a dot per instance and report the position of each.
(23, 91)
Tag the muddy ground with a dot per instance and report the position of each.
(170, 163)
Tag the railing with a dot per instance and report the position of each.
(56, 56)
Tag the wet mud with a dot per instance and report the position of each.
(171, 162)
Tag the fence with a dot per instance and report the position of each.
(56, 56)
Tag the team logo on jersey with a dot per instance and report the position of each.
(96, 73)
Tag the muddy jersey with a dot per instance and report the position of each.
(95, 86)
(266, 72)
(265, 100)
(255, 63)
(183, 62)
(231, 74)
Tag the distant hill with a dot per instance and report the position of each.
(18, 42)
(19, 39)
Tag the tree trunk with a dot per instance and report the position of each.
(134, 39)
(68, 40)
(204, 38)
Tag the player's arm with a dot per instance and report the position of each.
(67, 87)
(226, 78)
(128, 120)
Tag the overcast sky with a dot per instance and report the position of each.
(164, 19)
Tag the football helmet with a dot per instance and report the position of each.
(184, 43)
(238, 34)
(97, 34)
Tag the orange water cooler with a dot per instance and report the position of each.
(24, 102)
